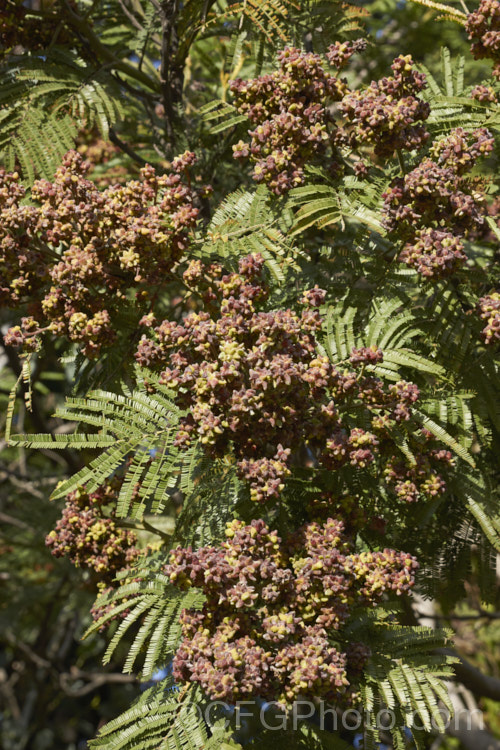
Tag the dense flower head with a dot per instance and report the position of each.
(461, 149)
(313, 297)
(88, 535)
(76, 253)
(289, 111)
(388, 113)
(483, 28)
(295, 122)
(339, 53)
(434, 253)
(483, 94)
(436, 205)
(412, 481)
(272, 607)
(366, 356)
(489, 310)
(430, 195)
(253, 383)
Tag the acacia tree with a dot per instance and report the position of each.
(273, 279)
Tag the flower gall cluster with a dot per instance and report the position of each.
(252, 382)
(295, 123)
(89, 536)
(435, 206)
(289, 111)
(483, 28)
(272, 607)
(489, 310)
(77, 254)
(388, 113)
(339, 53)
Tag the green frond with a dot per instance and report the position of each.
(244, 224)
(203, 521)
(267, 17)
(444, 437)
(391, 325)
(450, 107)
(135, 433)
(161, 717)
(322, 205)
(154, 607)
(401, 675)
(483, 505)
(225, 115)
(44, 104)
(37, 140)
(469, 548)
(340, 334)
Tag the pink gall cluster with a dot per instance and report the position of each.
(289, 111)
(435, 206)
(78, 252)
(461, 149)
(434, 253)
(489, 310)
(388, 114)
(484, 94)
(90, 537)
(483, 28)
(421, 479)
(366, 356)
(271, 609)
(295, 123)
(253, 383)
(339, 53)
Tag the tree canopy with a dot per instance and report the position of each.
(250, 327)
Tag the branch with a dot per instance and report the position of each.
(481, 685)
(467, 723)
(5, 518)
(80, 25)
(114, 138)
(474, 739)
(171, 72)
(95, 681)
(483, 614)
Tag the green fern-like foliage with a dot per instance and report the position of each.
(44, 104)
(162, 717)
(450, 105)
(328, 232)
(269, 16)
(154, 604)
(407, 681)
(285, 21)
(135, 430)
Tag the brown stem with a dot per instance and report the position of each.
(114, 138)
(171, 69)
(79, 24)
